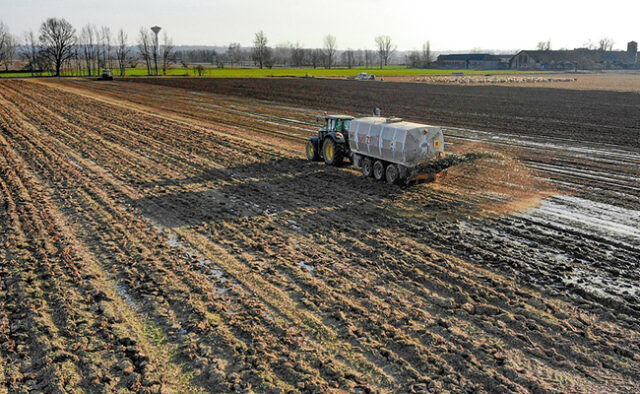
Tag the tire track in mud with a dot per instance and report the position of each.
(380, 285)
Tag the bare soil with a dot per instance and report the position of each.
(160, 238)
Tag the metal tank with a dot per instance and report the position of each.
(395, 141)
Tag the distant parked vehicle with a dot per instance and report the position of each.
(365, 76)
(107, 75)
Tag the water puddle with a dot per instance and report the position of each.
(208, 267)
(602, 287)
(617, 224)
(306, 266)
(120, 289)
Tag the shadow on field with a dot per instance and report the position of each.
(257, 189)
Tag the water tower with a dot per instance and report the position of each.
(155, 30)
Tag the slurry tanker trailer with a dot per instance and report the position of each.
(385, 148)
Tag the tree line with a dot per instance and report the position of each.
(60, 49)
(328, 56)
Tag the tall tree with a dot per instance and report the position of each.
(122, 51)
(167, 53)
(57, 38)
(427, 57)
(260, 49)
(348, 58)
(368, 57)
(386, 48)
(297, 54)
(414, 60)
(330, 47)
(8, 45)
(234, 53)
(144, 48)
(87, 44)
(316, 55)
(105, 47)
(31, 53)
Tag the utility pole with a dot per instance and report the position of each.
(155, 30)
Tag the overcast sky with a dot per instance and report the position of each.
(449, 25)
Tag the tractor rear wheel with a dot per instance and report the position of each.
(332, 152)
(312, 151)
(367, 167)
(378, 170)
(392, 174)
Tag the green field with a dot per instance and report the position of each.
(294, 72)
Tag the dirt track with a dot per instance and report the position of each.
(158, 237)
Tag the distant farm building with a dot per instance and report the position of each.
(473, 61)
(583, 58)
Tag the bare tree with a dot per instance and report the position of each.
(368, 57)
(57, 37)
(386, 48)
(122, 51)
(414, 60)
(282, 54)
(315, 55)
(8, 45)
(234, 53)
(260, 49)
(605, 44)
(358, 57)
(348, 58)
(105, 47)
(167, 53)
(427, 57)
(297, 54)
(544, 45)
(30, 52)
(144, 48)
(330, 46)
(88, 48)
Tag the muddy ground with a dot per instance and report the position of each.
(158, 238)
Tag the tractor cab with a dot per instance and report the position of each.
(337, 124)
(332, 142)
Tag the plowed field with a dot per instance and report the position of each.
(157, 238)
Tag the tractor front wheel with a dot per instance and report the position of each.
(332, 152)
(378, 170)
(312, 151)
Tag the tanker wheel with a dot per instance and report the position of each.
(312, 152)
(367, 167)
(392, 174)
(378, 170)
(332, 152)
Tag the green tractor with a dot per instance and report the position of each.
(332, 142)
